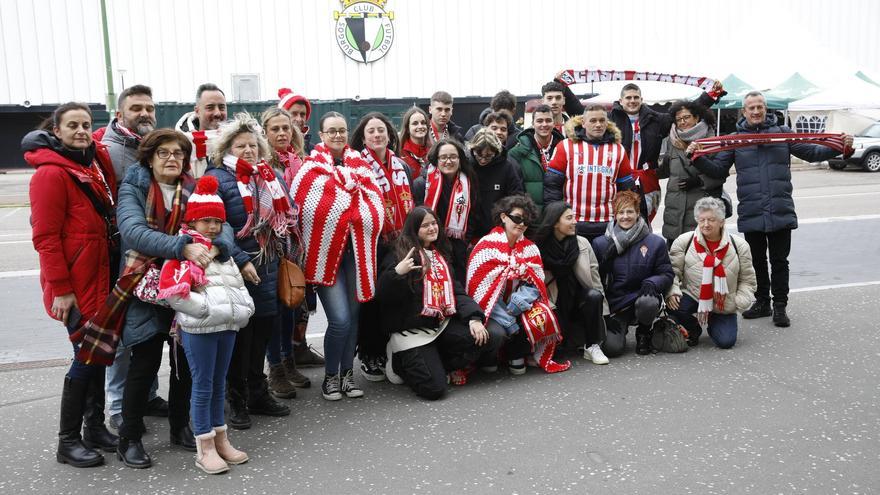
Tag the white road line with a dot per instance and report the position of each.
(20, 273)
(836, 286)
(15, 242)
(826, 196)
(807, 221)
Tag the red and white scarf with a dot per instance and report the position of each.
(438, 295)
(290, 164)
(274, 206)
(713, 285)
(459, 201)
(573, 76)
(494, 267)
(717, 144)
(417, 154)
(179, 278)
(436, 134)
(335, 202)
(395, 190)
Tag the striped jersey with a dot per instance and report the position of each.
(591, 172)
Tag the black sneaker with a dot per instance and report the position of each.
(158, 407)
(373, 368)
(265, 405)
(349, 387)
(761, 309)
(330, 389)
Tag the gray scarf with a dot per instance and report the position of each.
(680, 139)
(623, 239)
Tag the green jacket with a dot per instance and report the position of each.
(526, 154)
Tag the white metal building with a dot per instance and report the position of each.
(52, 50)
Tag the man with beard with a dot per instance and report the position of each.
(135, 118)
(201, 125)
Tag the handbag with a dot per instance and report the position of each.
(669, 336)
(291, 284)
(147, 290)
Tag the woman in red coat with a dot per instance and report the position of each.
(73, 179)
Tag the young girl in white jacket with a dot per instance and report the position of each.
(212, 304)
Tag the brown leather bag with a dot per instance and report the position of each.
(291, 284)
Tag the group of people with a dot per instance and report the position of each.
(434, 255)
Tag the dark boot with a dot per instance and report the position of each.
(133, 454)
(296, 378)
(184, 437)
(780, 319)
(71, 449)
(95, 433)
(280, 386)
(643, 340)
(238, 417)
(260, 402)
(306, 356)
(760, 309)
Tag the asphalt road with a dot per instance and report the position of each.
(785, 411)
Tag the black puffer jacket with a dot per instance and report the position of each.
(763, 177)
(403, 301)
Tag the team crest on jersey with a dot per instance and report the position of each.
(364, 31)
(581, 170)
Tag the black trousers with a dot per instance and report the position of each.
(146, 359)
(371, 339)
(584, 325)
(591, 230)
(245, 376)
(778, 244)
(615, 338)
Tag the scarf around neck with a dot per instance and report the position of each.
(621, 240)
(713, 283)
(418, 153)
(394, 184)
(459, 207)
(438, 296)
(681, 139)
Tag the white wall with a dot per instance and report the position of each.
(52, 49)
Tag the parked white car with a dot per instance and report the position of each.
(867, 154)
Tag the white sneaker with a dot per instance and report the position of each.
(594, 353)
(516, 366)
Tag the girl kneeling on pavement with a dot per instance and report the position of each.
(505, 277)
(436, 328)
(212, 305)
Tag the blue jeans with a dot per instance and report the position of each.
(341, 307)
(722, 328)
(115, 380)
(80, 370)
(281, 341)
(208, 355)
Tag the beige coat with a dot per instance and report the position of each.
(586, 270)
(741, 281)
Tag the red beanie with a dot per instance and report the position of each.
(288, 98)
(204, 202)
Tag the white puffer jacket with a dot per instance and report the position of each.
(741, 281)
(223, 304)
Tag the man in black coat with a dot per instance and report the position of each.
(765, 213)
(441, 118)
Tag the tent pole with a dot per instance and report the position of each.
(718, 127)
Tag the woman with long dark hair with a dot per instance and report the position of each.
(414, 142)
(571, 273)
(435, 327)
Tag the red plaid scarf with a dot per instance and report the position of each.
(99, 336)
(713, 285)
(717, 144)
(438, 295)
(394, 184)
(459, 201)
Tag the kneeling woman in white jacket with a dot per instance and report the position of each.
(714, 277)
(211, 305)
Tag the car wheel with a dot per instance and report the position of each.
(872, 161)
(837, 165)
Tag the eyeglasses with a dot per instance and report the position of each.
(517, 219)
(165, 154)
(335, 132)
(683, 118)
(447, 158)
(486, 155)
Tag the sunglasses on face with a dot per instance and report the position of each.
(517, 219)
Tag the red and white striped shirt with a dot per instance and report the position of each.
(591, 174)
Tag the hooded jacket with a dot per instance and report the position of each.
(122, 149)
(68, 233)
(763, 176)
(527, 155)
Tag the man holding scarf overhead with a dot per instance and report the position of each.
(765, 212)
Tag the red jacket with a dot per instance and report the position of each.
(68, 233)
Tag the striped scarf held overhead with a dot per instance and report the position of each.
(338, 203)
(713, 284)
(712, 145)
(99, 336)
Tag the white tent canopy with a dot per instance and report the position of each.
(849, 106)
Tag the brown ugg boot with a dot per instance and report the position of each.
(207, 458)
(229, 453)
